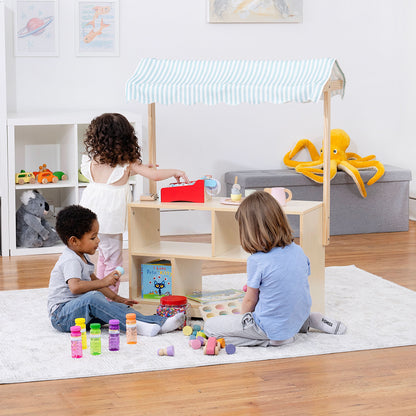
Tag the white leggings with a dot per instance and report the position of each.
(109, 256)
(240, 330)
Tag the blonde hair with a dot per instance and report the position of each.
(262, 223)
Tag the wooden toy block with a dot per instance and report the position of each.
(195, 344)
(170, 351)
(202, 340)
(221, 341)
(209, 310)
(187, 330)
(212, 347)
(230, 348)
(201, 334)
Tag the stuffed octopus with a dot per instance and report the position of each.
(351, 163)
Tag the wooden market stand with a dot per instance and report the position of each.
(151, 83)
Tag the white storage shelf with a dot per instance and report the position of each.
(57, 140)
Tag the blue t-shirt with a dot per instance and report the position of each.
(284, 303)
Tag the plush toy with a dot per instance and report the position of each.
(350, 163)
(32, 229)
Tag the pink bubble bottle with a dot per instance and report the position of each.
(76, 342)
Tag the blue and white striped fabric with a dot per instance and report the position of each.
(171, 81)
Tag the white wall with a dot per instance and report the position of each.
(373, 41)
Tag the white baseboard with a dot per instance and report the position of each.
(185, 222)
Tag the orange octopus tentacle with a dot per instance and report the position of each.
(352, 171)
(351, 155)
(300, 145)
(314, 171)
(373, 164)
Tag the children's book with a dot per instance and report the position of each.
(204, 296)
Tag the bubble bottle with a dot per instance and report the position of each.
(76, 343)
(95, 339)
(114, 335)
(131, 328)
(81, 323)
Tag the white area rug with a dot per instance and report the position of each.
(378, 314)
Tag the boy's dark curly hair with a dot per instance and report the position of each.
(74, 220)
(110, 140)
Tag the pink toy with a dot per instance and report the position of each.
(212, 347)
(245, 288)
(170, 351)
(195, 344)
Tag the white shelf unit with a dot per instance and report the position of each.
(57, 140)
(186, 258)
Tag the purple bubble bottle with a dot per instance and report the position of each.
(114, 335)
(76, 342)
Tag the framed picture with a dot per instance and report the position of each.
(255, 11)
(36, 28)
(97, 28)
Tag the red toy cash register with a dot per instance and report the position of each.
(184, 192)
(196, 191)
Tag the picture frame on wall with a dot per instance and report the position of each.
(97, 28)
(255, 11)
(36, 28)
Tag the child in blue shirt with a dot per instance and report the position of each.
(75, 291)
(278, 301)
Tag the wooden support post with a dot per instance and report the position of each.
(327, 174)
(151, 125)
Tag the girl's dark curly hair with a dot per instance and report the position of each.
(110, 140)
(74, 220)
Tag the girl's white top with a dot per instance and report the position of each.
(108, 201)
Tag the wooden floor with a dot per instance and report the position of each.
(375, 382)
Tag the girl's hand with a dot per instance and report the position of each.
(180, 174)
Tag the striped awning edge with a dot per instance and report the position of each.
(171, 81)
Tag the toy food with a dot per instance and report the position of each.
(236, 191)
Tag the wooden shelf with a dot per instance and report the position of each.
(186, 258)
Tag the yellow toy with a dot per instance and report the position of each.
(349, 162)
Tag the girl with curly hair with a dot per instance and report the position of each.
(113, 155)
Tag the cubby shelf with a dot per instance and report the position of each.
(57, 140)
(186, 258)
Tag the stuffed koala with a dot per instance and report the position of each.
(32, 229)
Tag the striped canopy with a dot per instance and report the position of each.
(171, 81)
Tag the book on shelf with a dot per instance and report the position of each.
(204, 296)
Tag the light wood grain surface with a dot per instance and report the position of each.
(375, 382)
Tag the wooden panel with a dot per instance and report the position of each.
(310, 240)
(225, 234)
